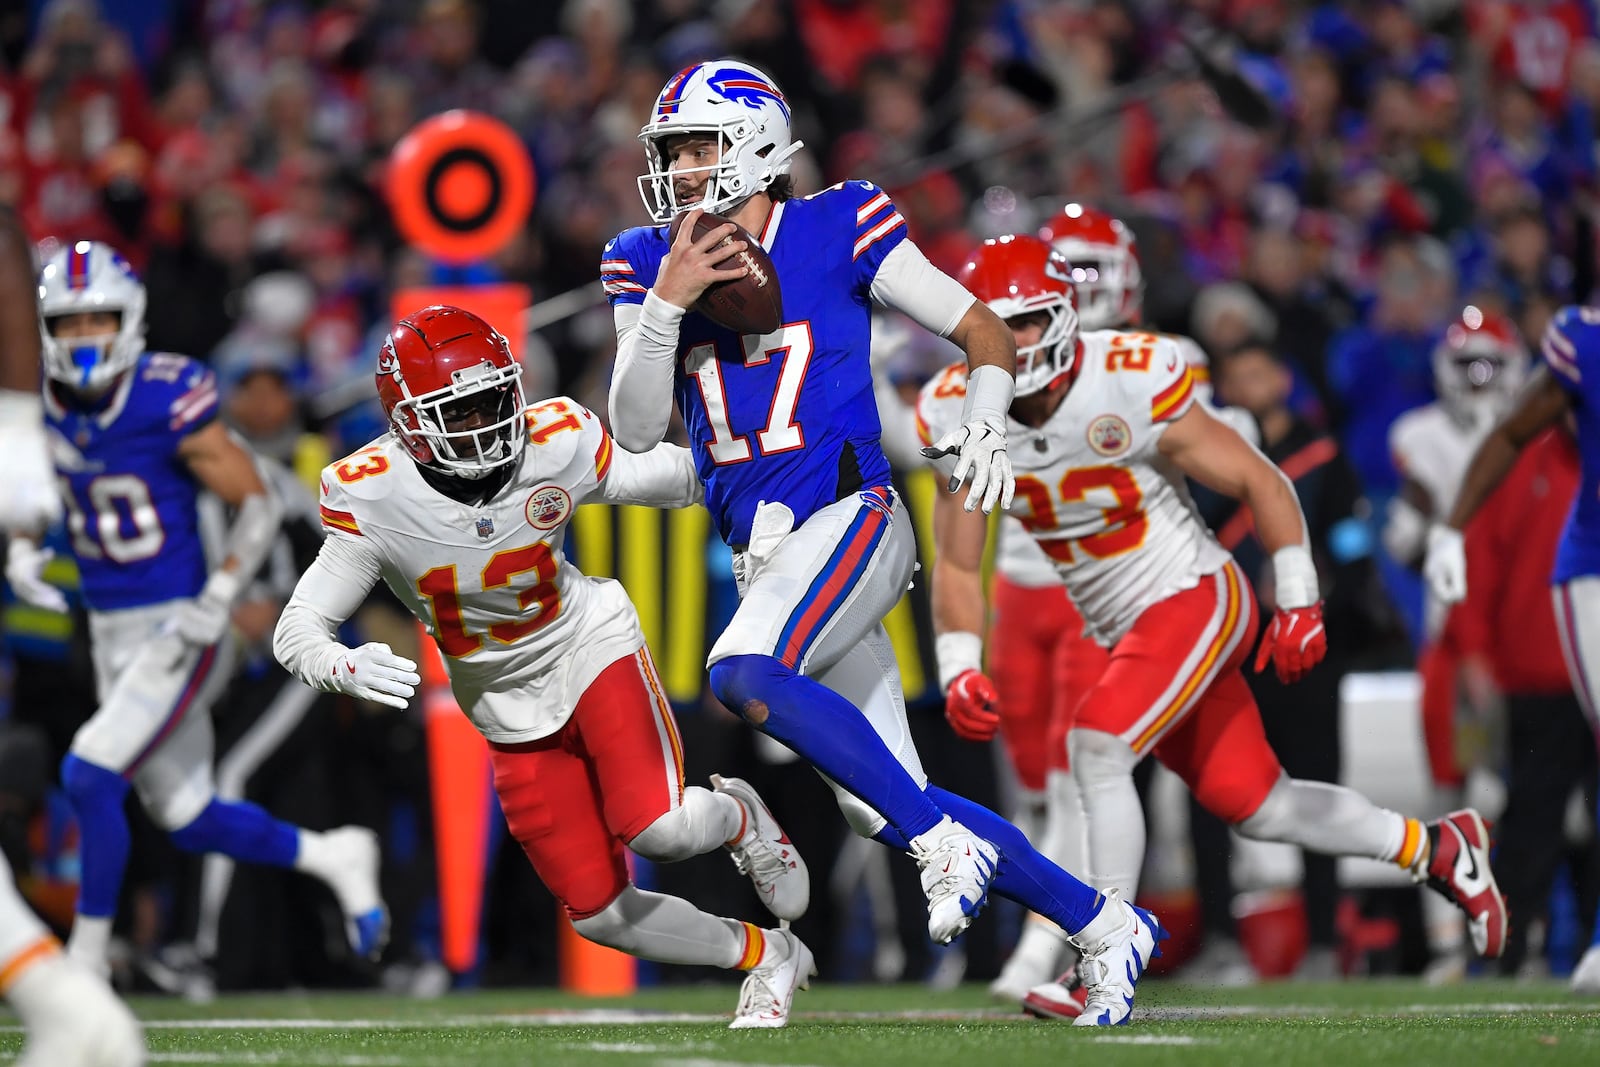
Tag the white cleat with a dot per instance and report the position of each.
(354, 881)
(765, 854)
(956, 868)
(1117, 946)
(769, 987)
(76, 1021)
(1586, 975)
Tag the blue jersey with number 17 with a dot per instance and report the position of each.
(788, 416)
(1571, 349)
(130, 498)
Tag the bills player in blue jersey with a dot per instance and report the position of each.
(1566, 387)
(71, 1017)
(135, 439)
(785, 434)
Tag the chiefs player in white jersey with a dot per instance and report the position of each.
(1478, 366)
(1107, 430)
(461, 510)
(1040, 658)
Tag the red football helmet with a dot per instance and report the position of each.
(453, 392)
(1105, 265)
(1016, 275)
(1479, 366)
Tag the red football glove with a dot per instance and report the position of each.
(971, 705)
(1295, 642)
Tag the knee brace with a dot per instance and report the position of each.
(91, 784)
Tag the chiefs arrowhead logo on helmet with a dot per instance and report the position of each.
(1018, 276)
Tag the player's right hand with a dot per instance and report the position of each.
(25, 562)
(373, 672)
(29, 499)
(972, 706)
(980, 446)
(1446, 564)
(690, 268)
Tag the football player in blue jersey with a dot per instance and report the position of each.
(71, 1016)
(135, 438)
(1565, 387)
(785, 434)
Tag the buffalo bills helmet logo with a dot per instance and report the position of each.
(742, 87)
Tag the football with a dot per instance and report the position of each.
(751, 304)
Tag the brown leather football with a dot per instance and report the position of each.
(751, 304)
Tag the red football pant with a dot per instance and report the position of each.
(1436, 666)
(573, 799)
(1174, 688)
(1041, 665)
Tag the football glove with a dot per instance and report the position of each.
(373, 672)
(971, 706)
(1445, 566)
(25, 562)
(29, 500)
(980, 448)
(1295, 642)
(201, 622)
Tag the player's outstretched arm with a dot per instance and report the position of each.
(663, 477)
(958, 619)
(29, 501)
(226, 468)
(1543, 402)
(330, 591)
(1215, 455)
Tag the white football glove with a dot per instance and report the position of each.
(373, 672)
(29, 500)
(25, 562)
(201, 622)
(981, 445)
(1446, 564)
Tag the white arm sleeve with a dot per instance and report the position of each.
(641, 380)
(900, 442)
(330, 591)
(663, 477)
(907, 282)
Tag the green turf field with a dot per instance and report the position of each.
(1354, 1023)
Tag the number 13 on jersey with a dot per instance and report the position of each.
(791, 345)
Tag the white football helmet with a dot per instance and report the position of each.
(737, 103)
(82, 277)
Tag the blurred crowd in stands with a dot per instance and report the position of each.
(1425, 154)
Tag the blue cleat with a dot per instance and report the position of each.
(1117, 945)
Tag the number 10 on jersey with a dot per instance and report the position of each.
(791, 345)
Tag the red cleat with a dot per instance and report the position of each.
(1458, 867)
(1062, 999)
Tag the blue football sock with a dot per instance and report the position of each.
(828, 732)
(96, 795)
(241, 830)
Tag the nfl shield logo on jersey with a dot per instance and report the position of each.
(485, 528)
(1109, 435)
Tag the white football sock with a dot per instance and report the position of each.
(90, 942)
(1114, 819)
(1066, 840)
(20, 928)
(706, 820)
(669, 929)
(1331, 819)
